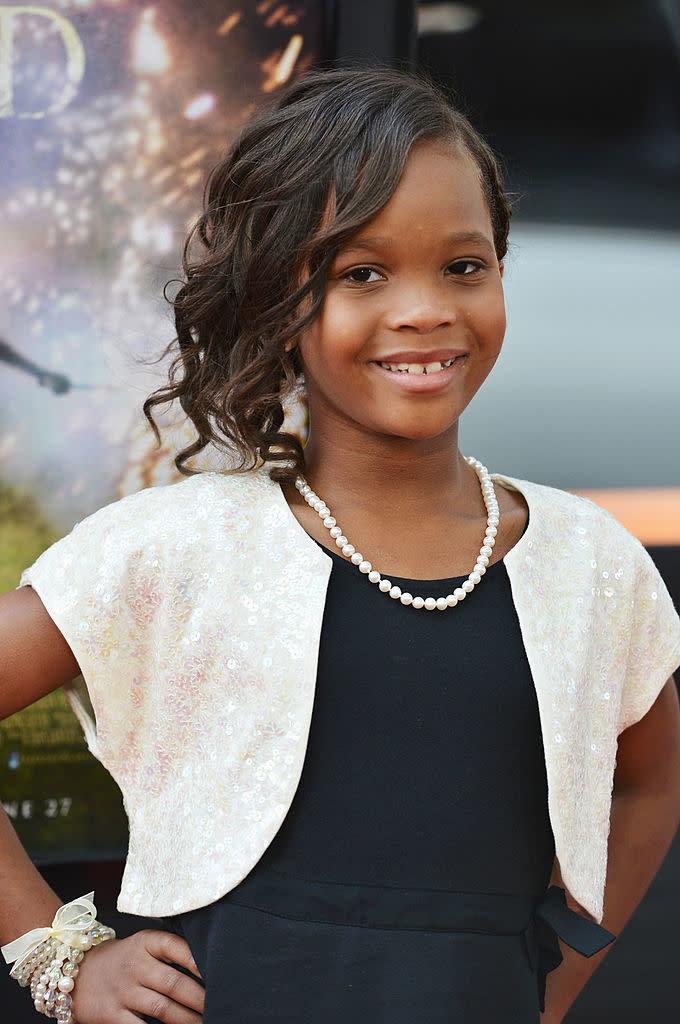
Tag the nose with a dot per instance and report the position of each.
(422, 308)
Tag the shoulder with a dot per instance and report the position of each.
(204, 496)
(155, 531)
(555, 502)
(572, 521)
(171, 518)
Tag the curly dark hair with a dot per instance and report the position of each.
(269, 233)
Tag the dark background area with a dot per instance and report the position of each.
(582, 98)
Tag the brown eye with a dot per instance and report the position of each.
(463, 268)
(362, 275)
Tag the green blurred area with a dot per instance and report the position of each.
(24, 534)
(62, 802)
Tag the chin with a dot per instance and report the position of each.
(421, 431)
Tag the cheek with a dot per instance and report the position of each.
(337, 336)
(488, 322)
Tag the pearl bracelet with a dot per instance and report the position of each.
(48, 959)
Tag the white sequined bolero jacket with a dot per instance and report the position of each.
(194, 611)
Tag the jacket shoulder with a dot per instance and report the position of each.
(205, 496)
(565, 513)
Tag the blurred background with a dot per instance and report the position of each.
(111, 114)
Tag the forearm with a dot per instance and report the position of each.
(643, 824)
(27, 900)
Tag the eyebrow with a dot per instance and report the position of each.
(380, 242)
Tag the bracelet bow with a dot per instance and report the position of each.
(72, 919)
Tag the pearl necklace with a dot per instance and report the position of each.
(385, 585)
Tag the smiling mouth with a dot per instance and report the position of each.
(419, 368)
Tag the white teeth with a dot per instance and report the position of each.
(400, 366)
(415, 368)
(433, 367)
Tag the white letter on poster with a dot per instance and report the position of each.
(75, 60)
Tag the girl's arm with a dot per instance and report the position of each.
(34, 660)
(644, 818)
(118, 979)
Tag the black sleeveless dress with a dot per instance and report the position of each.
(403, 884)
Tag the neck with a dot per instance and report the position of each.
(392, 472)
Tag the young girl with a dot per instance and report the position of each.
(359, 729)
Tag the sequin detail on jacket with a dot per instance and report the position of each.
(194, 611)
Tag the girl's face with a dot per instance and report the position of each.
(413, 318)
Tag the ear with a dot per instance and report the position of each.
(501, 267)
(289, 346)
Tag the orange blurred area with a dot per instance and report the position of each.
(652, 514)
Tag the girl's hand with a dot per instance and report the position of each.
(122, 979)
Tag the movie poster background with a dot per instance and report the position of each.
(111, 114)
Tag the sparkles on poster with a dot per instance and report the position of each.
(111, 114)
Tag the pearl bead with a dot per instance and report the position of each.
(385, 586)
(66, 985)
